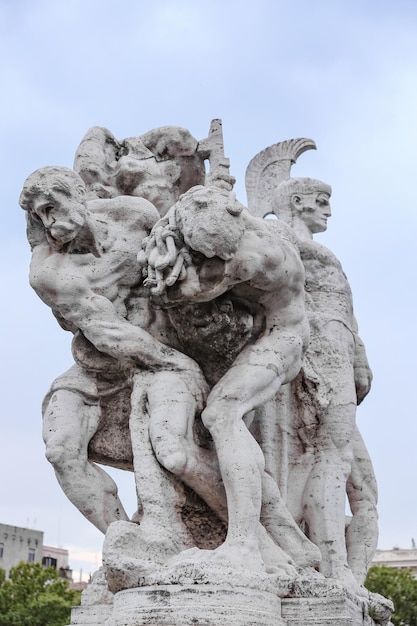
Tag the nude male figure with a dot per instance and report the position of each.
(337, 364)
(228, 250)
(84, 267)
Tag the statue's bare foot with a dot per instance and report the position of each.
(133, 553)
(294, 542)
(244, 556)
(129, 539)
(347, 579)
(303, 551)
(274, 558)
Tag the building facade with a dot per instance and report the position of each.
(25, 544)
(397, 558)
(19, 544)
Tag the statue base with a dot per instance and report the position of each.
(205, 605)
(180, 605)
(333, 611)
(94, 615)
(216, 605)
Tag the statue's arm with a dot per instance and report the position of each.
(65, 288)
(214, 277)
(206, 282)
(361, 368)
(97, 318)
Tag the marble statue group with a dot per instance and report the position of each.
(216, 356)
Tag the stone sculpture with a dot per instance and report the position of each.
(335, 377)
(229, 245)
(83, 267)
(194, 339)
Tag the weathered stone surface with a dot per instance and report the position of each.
(315, 606)
(319, 418)
(216, 355)
(181, 605)
(95, 615)
(312, 603)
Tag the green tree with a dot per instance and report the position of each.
(400, 586)
(35, 596)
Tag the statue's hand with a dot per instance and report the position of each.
(363, 380)
(184, 290)
(196, 385)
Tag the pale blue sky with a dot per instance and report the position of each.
(343, 72)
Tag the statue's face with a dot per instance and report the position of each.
(61, 216)
(149, 179)
(314, 210)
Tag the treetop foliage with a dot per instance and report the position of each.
(35, 596)
(400, 586)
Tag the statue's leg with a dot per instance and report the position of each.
(362, 531)
(159, 532)
(254, 377)
(172, 408)
(282, 527)
(325, 493)
(241, 465)
(69, 423)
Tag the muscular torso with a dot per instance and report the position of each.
(65, 280)
(330, 312)
(329, 297)
(275, 276)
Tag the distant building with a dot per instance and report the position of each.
(397, 558)
(58, 559)
(25, 544)
(19, 544)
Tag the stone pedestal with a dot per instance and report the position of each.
(196, 605)
(221, 605)
(94, 615)
(333, 611)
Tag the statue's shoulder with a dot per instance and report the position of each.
(313, 250)
(285, 234)
(129, 210)
(281, 229)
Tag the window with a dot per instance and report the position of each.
(31, 555)
(1, 550)
(48, 561)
